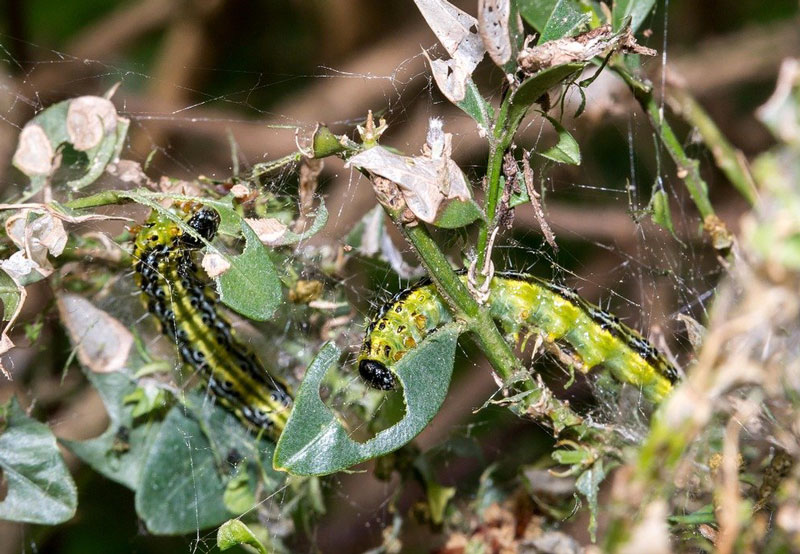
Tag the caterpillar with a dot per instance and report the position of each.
(523, 306)
(188, 313)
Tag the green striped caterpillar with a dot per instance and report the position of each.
(189, 315)
(523, 306)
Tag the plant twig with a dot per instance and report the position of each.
(688, 168)
(729, 159)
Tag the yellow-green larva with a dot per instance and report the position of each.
(188, 312)
(523, 306)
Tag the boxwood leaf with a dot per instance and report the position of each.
(567, 150)
(637, 10)
(40, 488)
(314, 442)
(534, 87)
(181, 489)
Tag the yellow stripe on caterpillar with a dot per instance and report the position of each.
(189, 315)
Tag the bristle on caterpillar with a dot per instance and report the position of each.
(189, 315)
(523, 306)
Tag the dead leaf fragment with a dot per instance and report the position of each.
(128, 171)
(583, 47)
(102, 343)
(425, 181)
(35, 239)
(89, 119)
(240, 191)
(215, 265)
(456, 30)
(34, 154)
(493, 26)
(270, 231)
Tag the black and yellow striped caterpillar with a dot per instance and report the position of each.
(523, 306)
(188, 312)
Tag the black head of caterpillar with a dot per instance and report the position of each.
(377, 375)
(206, 222)
(188, 310)
(523, 306)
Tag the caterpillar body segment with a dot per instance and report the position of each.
(523, 306)
(400, 324)
(188, 312)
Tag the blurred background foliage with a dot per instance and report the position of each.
(194, 72)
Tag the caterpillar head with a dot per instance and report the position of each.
(377, 375)
(206, 222)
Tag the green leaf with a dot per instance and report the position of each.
(438, 495)
(181, 489)
(567, 150)
(572, 457)
(315, 443)
(588, 484)
(121, 451)
(40, 488)
(251, 286)
(147, 399)
(9, 294)
(659, 209)
(476, 106)
(239, 493)
(325, 143)
(703, 515)
(536, 12)
(553, 19)
(233, 532)
(533, 88)
(637, 10)
(458, 213)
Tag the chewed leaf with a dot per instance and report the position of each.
(90, 124)
(40, 488)
(314, 442)
(454, 29)
(250, 286)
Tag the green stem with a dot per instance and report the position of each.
(729, 159)
(688, 168)
(100, 199)
(493, 193)
(477, 317)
